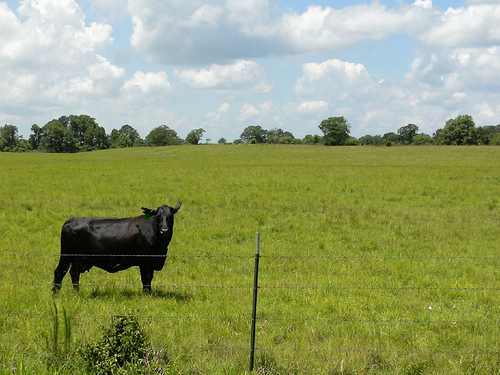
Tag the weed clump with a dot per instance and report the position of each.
(124, 346)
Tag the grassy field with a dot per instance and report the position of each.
(374, 260)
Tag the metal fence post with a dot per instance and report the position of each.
(254, 306)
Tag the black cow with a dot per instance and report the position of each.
(116, 244)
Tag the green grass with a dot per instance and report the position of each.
(374, 260)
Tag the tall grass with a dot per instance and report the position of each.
(375, 260)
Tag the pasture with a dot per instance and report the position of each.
(374, 260)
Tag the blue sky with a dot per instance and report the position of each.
(223, 65)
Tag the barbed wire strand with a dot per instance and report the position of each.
(269, 287)
(265, 318)
(225, 256)
(310, 350)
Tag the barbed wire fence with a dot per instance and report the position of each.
(253, 317)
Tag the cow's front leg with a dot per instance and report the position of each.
(59, 273)
(75, 276)
(146, 278)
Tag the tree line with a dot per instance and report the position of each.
(69, 134)
(336, 132)
(76, 133)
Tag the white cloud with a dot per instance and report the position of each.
(466, 27)
(146, 87)
(332, 79)
(248, 112)
(437, 88)
(325, 29)
(238, 26)
(179, 31)
(220, 114)
(218, 120)
(50, 57)
(427, 4)
(236, 29)
(482, 1)
(314, 107)
(205, 15)
(457, 69)
(248, 15)
(485, 111)
(241, 76)
(259, 115)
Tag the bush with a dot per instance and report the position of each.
(123, 346)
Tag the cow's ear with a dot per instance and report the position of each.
(177, 207)
(149, 212)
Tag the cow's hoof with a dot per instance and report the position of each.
(55, 289)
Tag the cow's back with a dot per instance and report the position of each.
(83, 235)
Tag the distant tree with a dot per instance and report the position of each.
(162, 136)
(279, 136)
(336, 131)
(36, 137)
(390, 138)
(53, 136)
(9, 138)
(352, 141)
(461, 131)
(371, 140)
(86, 132)
(422, 139)
(95, 138)
(119, 140)
(312, 139)
(482, 136)
(366, 140)
(130, 132)
(23, 146)
(436, 136)
(69, 134)
(194, 137)
(406, 133)
(127, 136)
(286, 140)
(493, 134)
(58, 138)
(78, 126)
(492, 129)
(256, 133)
(222, 141)
(377, 140)
(140, 143)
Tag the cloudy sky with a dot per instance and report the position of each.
(223, 65)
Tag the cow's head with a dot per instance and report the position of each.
(164, 217)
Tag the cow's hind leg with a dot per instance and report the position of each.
(75, 275)
(60, 272)
(146, 278)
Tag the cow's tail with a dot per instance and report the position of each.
(60, 271)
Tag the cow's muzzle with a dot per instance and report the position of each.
(164, 231)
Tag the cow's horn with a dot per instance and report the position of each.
(178, 206)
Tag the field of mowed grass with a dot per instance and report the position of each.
(374, 260)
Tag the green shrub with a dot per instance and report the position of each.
(123, 346)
